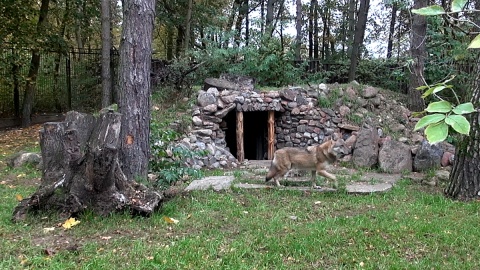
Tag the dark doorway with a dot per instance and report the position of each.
(255, 132)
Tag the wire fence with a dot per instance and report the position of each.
(65, 81)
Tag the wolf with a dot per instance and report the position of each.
(315, 158)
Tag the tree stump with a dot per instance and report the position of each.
(81, 170)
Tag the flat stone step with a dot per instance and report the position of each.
(215, 182)
(363, 188)
(258, 186)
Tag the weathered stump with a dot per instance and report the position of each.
(81, 170)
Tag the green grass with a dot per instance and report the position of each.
(410, 227)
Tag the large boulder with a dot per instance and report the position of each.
(365, 153)
(21, 159)
(428, 157)
(395, 157)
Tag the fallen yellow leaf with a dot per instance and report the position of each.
(69, 223)
(18, 197)
(170, 220)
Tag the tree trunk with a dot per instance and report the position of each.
(29, 95)
(352, 8)
(242, 13)
(269, 17)
(134, 86)
(106, 47)
(298, 26)
(247, 23)
(81, 170)
(188, 25)
(310, 31)
(418, 52)
(465, 175)
(392, 30)
(315, 29)
(358, 38)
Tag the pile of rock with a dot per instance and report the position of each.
(300, 122)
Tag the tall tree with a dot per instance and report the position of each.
(391, 32)
(28, 98)
(360, 28)
(242, 14)
(298, 26)
(465, 174)
(310, 30)
(352, 19)
(106, 47)
(418, 54)
(134, 86)
(188, 26)
(315, 29)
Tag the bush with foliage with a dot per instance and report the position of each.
(167, 159)
(263, 59)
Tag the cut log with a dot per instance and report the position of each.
(82, 171)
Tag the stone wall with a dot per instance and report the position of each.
(298, 121)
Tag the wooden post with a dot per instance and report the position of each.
(240, 150)
(271, 134)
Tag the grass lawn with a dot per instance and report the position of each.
(409, 227)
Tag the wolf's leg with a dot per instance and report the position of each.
(314, 180)
(281, 174)
(329, 175)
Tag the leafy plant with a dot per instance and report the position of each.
(443, 114)
(168, 161)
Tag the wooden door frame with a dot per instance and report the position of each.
(270, 139)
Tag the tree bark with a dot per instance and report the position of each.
(352, 19)
(310, 31)
(392, 30)
(134, 86)
(465, 175)
(418, 52)
(315, 29)
(242, 13)
(269, 17)
(298, 26)
(81, 170)
(360, 27)
(106, 47)
(188, 25)
(30, 88)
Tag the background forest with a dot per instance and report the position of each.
(52, 48)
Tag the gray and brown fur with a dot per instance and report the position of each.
(313, 158)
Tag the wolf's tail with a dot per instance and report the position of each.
(271, 172)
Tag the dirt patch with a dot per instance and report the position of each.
(13, 140)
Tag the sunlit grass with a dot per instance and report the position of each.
(406, 228)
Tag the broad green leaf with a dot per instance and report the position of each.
(459, 123)
(428, 92)
(457, 5)
(464, 108)
(423, 87)
(429, 119)
(475, 44)
(439, 88)
(429, 11)
(436, 132)
(439, 106)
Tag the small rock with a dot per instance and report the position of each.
(446, 159)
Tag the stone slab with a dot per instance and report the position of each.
(259, 186)
(215, 182)
(368, 188)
